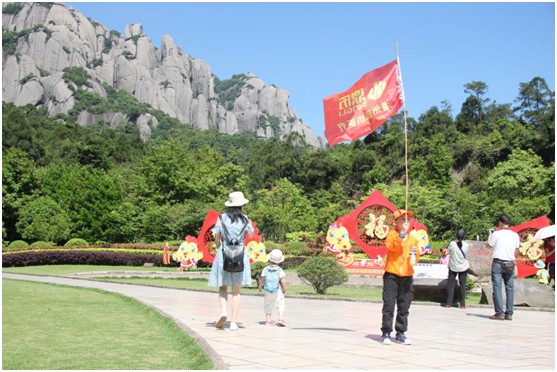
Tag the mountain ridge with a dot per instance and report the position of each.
(45, 44)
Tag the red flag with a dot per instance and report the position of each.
(364, 107)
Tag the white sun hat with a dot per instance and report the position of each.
(236, 199)
(276, 256)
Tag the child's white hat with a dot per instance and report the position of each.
(539, 264)
(276, 256)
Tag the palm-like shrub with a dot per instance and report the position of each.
(322, 273)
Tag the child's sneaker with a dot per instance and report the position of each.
(401, 339)
(281, 323)
(234, 326)
(270, 322)
(385, 339)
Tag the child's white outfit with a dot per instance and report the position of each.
(274, 299)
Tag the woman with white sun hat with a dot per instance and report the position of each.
(232, 223)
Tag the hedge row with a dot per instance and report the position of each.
(78, 258)
(85, 258)
(143, 247)
(131, 251)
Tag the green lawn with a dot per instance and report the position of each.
(52, 327)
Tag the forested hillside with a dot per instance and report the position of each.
(61, 180)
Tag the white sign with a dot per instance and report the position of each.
(434, 271)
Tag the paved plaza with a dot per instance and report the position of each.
(329, 335)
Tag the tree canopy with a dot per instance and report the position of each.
(62, 180)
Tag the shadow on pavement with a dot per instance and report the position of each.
(325, 329)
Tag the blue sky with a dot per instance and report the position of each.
(315, 49)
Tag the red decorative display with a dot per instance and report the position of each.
(530, 250)
(368, 226)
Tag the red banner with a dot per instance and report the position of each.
(364, 107)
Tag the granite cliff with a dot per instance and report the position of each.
(53, 56)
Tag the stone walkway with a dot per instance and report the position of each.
(328, 335)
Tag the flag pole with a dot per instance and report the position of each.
(401, 88)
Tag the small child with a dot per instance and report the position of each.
(542, 274)
(444, 260)
(274, 283)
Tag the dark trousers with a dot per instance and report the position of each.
(399, 291)
(451, 284)
(551, 269)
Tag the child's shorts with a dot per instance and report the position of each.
(274, 300)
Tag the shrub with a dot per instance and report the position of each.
(469, 283)
(77, 258)
(301, 236)
(256, 270)
(426, 258)
(229, 90)
(295, 248)
(129, 55)
(76, 75)
(292, 262)
(41, 243)
(311, 252)
(76, 241)
(270, 245)
(322, 273)
(18, 244)
(107, 45)
(26, 78)
(12, 8)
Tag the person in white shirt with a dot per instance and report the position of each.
(504, 242)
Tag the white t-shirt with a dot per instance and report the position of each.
(504, 243)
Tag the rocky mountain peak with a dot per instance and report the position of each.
(58, 58)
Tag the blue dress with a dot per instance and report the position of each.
(218, 277)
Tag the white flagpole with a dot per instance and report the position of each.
(401, 92)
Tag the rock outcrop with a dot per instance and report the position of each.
(40, 40)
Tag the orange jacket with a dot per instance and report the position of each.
(398, 254)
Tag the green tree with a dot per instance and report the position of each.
(318, 170)
(521, 187)
(467, 210)
(329, 204)
(271, 161)
(18, 184)
(431, 161)
(433, 121)
(473, 108)
(536, 106)
(19, 129)
(281, 210)
(88, 196)
(43, 219)
(123, 223)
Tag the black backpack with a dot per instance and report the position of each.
(232, 251)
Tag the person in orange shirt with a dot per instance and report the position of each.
(402, 255)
